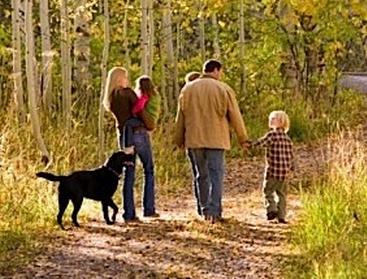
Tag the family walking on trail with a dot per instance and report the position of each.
(207, 109)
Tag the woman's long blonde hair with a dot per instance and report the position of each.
(112, 83)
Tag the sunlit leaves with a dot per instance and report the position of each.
(309, 7)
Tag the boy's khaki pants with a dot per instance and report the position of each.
(272, 186)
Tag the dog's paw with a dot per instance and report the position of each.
(110, 222)
(76, 224)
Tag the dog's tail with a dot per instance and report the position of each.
(50, 176)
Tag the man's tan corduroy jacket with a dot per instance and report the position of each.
(206, 109)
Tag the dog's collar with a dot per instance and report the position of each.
(114, 172)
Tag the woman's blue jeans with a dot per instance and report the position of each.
(143, 150)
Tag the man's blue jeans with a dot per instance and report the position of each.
(143, 149)
(210, 173)
(194, 180)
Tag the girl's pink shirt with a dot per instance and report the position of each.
(140, 104)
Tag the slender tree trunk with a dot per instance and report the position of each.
(82, 53)
(104, 76)
(242, 49)
(216, 37)
(17, 64)
(47, 55)
(100, 6)
(65, 63)
(144, 37)
(202, 31)
(178, 41)
(170, 61)
(126, 62)
(163, 80)
(31, 81)
(151, 37)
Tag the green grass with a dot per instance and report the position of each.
(29, 205)
(331, 235)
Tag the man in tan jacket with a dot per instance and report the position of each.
(207, 108)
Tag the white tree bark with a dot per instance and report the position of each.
(144, 38)
(31, 81)
(216, 37)
(17, 64)
(47, 55)
(170, 60)
(178, 40)
(65, 62)
(104, 76)
(151, 37)
(126, 62)
(202, 31)
(242, 49)
(82, 50)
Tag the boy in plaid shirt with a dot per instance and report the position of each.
(279, 163)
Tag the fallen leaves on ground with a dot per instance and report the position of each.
(180, 244)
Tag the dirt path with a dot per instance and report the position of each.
(179, 244)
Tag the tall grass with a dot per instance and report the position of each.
(26, 207)
(29, 205)
(331, 235)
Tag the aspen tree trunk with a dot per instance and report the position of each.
(65, 63)
(126, 62)
(100, 6)
(47, 55)
(178, 41)
(82, 53)
(216, 38)
(144, 37)
(202, 31)
(104, 76)
(163, 79)
(151, 37)
(31, 81)
(242, 49)
(171, 64)
(17, 64)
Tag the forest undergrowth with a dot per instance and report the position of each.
(28, 205)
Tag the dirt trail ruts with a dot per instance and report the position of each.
(179, 244)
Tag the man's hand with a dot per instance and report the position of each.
(245, 146)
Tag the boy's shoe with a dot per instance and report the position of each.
(153, 215)
(272, 215)
(282, 221)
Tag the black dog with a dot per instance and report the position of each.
(99, 184)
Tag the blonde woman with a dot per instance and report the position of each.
(279, 163)
(119, 99)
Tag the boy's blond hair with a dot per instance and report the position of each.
(283, 118)
(112, 83)
(191, 76)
